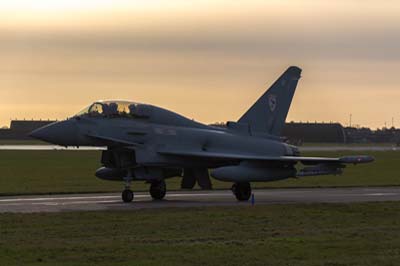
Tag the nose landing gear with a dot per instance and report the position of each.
(127, 194)
(242, 191)
(158, 190)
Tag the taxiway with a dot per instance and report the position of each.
(112, 201)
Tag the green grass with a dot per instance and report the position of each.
(327, 144)
(382, 172)
(27, 172)
(316, 234)
(51, 171)
(22, 142)
(306, 144)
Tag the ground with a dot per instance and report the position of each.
(314, 234)
(22, 142)
(29, 172)
(294, 234)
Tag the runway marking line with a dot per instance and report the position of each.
(111, 197)
(74, 202)
(58, 198)
(381, 194)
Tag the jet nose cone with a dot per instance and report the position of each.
(38, 134)
(61, 133)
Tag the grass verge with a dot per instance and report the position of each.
(22, 142)
(316, 234)
(30, 172)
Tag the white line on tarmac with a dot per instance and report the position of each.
(110, 197)
(58, 198)
(380, 194)
(75, 202)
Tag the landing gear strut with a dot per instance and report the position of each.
(127, 194)
(242, 191)
(158, 189)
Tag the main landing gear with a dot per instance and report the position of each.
(158, 189)
(242, 191)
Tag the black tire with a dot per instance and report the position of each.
(127, 195)
(242, 191)
(158, 189)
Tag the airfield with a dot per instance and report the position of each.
(330, 148)
(54, 211)
(186, 199)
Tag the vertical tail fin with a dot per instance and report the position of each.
(269, 113)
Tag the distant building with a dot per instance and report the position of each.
(20, 129)
(366, 135)
(297, 133)
(358, 135)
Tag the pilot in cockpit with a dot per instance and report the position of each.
(110, 110)
(132, 109)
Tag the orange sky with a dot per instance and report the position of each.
(209, 60)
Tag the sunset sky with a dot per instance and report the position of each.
(208, 60)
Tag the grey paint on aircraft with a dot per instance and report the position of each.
(146, 142)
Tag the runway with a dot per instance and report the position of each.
(36, 147)
(33, 147)
(112, 201)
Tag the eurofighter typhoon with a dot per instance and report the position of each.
(149, 143)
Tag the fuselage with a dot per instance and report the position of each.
(149, 143)
(156, 128)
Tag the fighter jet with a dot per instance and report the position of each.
(149, 143)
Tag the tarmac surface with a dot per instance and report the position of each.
(112, 201)
(40, 147)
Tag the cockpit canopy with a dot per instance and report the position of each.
(112, 109)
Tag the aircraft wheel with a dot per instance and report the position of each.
(242, 191)
(158, 189)
(127, 195)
